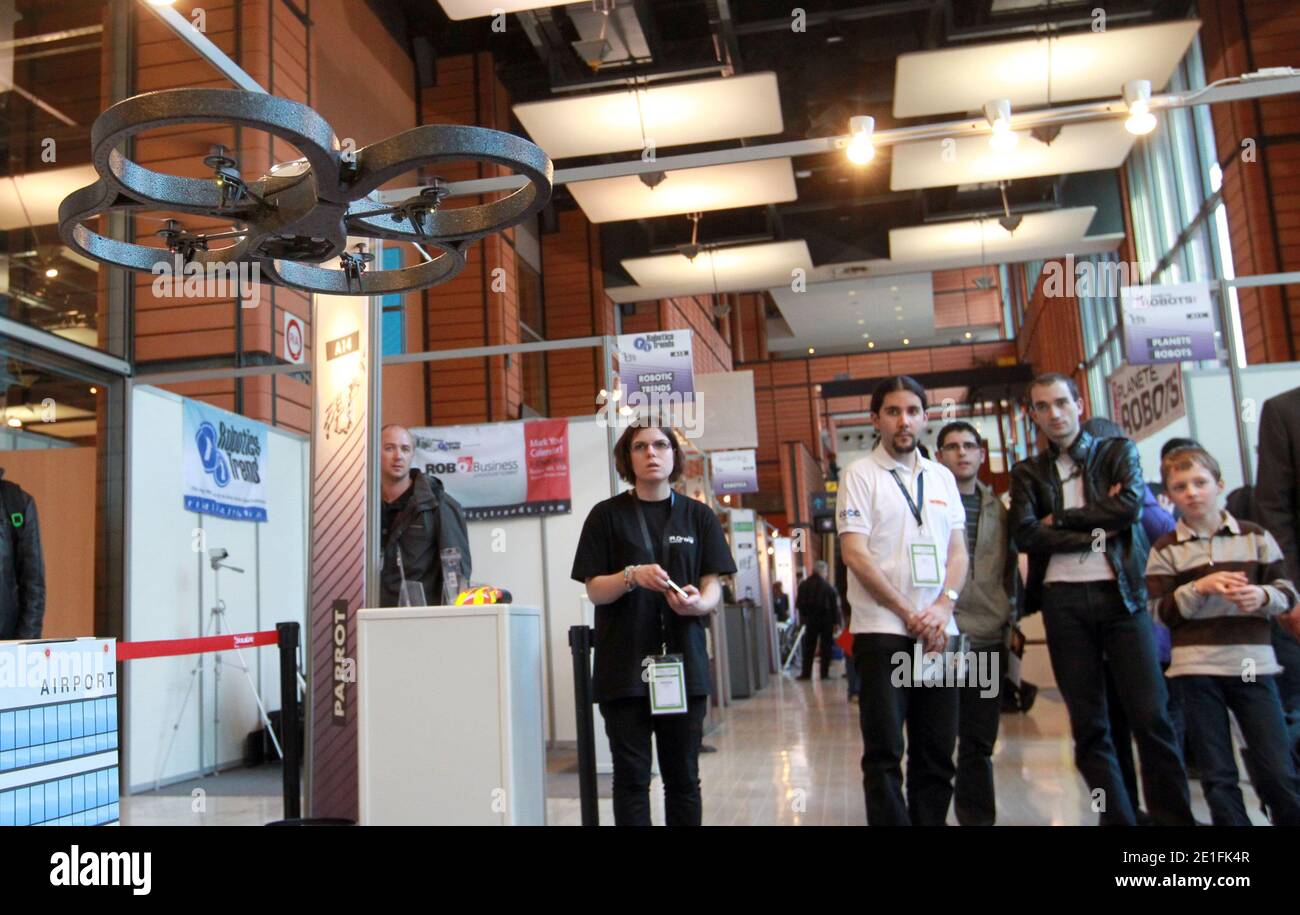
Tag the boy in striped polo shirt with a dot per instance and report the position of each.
(1216, 581)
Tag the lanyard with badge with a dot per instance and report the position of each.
(922, 552)
(664, 673)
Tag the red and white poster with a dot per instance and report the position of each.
(500, 470)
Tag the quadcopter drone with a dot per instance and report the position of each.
(301, 213)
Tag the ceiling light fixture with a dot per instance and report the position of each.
(692, 250)
(998, 114)
(51, 273)
(1007, 220)
(906, 341)
(861, 149)
(652, 179)
(871, 344)
(1137, 96)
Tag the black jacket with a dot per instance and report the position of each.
(817, 602)
(1277, 491)
(430, 522)
(22, 567)
(1036, 493)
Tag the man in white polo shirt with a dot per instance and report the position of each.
(902, 535)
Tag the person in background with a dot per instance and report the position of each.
(1158, 488)
(819, 611)
(1216, 582)
(1156, 522)
(633, 548)
(984, 613)
(22, 566)
(419, 520)
(1087, 573)
(900, 521)
(780, 602)
(1277, 498)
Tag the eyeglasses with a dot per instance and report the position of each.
(661, 445)
(961, 447)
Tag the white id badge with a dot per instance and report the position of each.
(667, 685)
(924, 560)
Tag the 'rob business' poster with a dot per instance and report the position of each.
(501, 469)
(1168, 323)
(224, 462)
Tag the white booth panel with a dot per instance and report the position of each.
(163, 596)
(171, 590)
(589, 461)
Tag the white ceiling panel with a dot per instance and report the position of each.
(474, 9)
(852, 313)
(702, 111)
(714, 187)
(1078, 148)
(1081, 65)
(987, 238)
(37, 195)
(740, 269)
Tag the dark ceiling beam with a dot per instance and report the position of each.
(1002, 377)
(724, 34)
(853, 14)
(1031, 22)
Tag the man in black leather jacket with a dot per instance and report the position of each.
(22, 566)
(1076, 509)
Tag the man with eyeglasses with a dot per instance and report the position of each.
(1087, 573)
(984, 615)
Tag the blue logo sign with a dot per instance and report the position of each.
(642, 344)
(214, 461)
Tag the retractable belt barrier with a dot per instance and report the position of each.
(286, 636)
(580, 645)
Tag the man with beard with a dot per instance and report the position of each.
(900, 520)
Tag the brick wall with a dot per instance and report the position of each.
(1261, 186)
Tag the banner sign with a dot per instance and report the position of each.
(1168, 323)
(1146, 398)
(735, 471)
(223, 456)
(343, 359)
(500, 469)
(656, 365)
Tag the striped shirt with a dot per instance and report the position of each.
(1211, 635)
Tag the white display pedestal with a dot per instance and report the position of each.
(450, 716)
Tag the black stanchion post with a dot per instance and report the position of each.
(288, 642)
(580, 645)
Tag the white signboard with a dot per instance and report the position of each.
(1168, 323)
(58, 733)
(734, 471)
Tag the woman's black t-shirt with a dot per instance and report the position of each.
(636, 625)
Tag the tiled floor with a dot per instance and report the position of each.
(790, 756)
